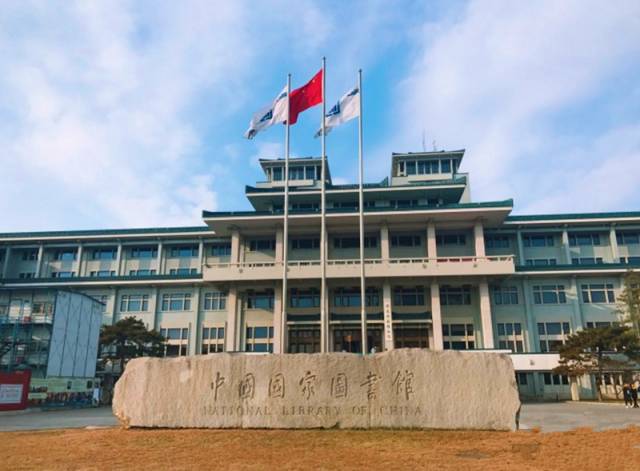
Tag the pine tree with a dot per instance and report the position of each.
(129, 338)
(629, 300)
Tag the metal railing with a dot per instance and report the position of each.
(354, 261)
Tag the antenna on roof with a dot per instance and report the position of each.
(424, 144)
(434, 145)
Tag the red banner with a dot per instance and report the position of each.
(14, 390)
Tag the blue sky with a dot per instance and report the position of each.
(131, 113)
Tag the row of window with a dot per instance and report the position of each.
(592, 293)
(426, 167)
(213, 301)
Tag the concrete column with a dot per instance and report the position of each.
(200, 255)
(530, 327)
(565, 246)
(195, 333)
(79, 263)
(279, 344)
(160, 258)
(119, 260)
(520, 248)
(5, 266)
(231, 327)
(576, 305)
(613, 241)
(436, 317)
(235, 246)
(384, 242)
(40, 261)
(279, 245)
(432, 248)
(388, 343)
(478, 237)
(485, 315)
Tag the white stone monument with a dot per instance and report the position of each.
(404, 388)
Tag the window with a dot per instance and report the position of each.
(521, 379)
(184, 251)
(258, 245)
(406, 241)
(305, 244)
(586, 261)
(221, 250)
(549, 294)
(455, 296)
(555, 380)
(260, 300)
(451, 239)
(630, 260)
(346, 204)
(540, 262)
(134, 303)
(537, 240)
(353, 242)
(510, 336)
(27, 275)
(583, 238)
(458, 336)
(411, 167)
(304, 298)
(62, 274)
(296, 173)
(142, 272)
(183, 271)
(408, 296)
(104, 299)
(104, 254)
(28, 255)
(303, 206)
(594, 325)
(496, 242)
(277, 174)
(304, 340)
(215, 301)
(144, 252)
(445, 165)
(407, 335)
(65, 255)
(400, 204)
(505, 295)
(598, 293)
(212, 340)
(428, 167)
(176, 341)
(350, 297)
(259, 339)
(42, 308)
(552, 335)
(176, 302)
(628, 237)
(103, 273)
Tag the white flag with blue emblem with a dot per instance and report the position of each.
(275, 112)
(346, 109)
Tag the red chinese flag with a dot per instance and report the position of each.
(305, 97)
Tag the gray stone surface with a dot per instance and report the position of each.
(406, 388)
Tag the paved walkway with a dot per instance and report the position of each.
(549, 417)
(561, 416)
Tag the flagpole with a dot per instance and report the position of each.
(285, 235)
(363, 302)
(324, 324)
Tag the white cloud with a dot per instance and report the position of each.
(498, 79)
(101, 102)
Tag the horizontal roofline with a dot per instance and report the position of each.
(461, 180)
(109, 232)
(490, 204)
(571, 216)
(295, 159)
(435, 153)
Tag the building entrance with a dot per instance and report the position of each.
(411, 336)
(348, 339)
(304, 339)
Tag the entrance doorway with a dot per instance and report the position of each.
(304, 339)
(348, 339)
(411, 336)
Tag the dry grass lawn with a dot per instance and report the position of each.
(319, 449)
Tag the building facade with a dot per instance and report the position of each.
(442, 272)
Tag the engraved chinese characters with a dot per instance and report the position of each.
(402, 384)
(398, 389)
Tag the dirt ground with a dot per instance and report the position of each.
(116, 448)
